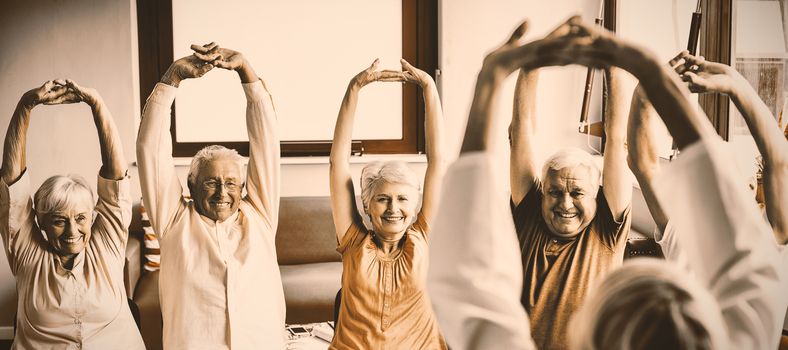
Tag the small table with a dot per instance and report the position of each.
(316, 337)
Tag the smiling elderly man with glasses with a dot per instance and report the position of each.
(220, 286)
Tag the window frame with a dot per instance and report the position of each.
(715, 45)
(419, 46)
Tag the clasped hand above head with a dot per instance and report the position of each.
(60, 91)
(409, 74)
(203, 60)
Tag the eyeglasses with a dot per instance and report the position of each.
(212, 185)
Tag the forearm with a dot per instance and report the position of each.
(435, 150)
(643, 158)
(433, 123)
(616, 181)
(762, 124)
(480, 120)
(112, 159)
(14, 154)
(343, 130)
(773, 148)
(669, 98)
(522, 134)
(263, 170)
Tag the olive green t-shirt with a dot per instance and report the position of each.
(558, 273)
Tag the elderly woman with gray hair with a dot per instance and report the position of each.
(384, 301)
(65, 249)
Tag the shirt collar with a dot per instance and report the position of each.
(76, 270)
(224, 224)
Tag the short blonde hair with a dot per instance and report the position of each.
(390, 171)
(648, 304)
(572, 157)
(63, 193)
(210, 153)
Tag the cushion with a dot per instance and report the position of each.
(310, 290)
(306, 231)
(152, 253)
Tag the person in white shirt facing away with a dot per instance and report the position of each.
(65, 248)
(219, 286)
(731, 301)
(704, 76)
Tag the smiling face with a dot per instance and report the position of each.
(569, 201)
(217, 189)
(391, 208)
(68, 230)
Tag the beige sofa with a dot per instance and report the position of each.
(310, 266)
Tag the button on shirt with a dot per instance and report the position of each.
(82, 308)
(219, 284)
(384, 301)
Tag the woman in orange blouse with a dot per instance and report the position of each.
(384, 300)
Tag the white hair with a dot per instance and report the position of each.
(391, 171)
(211, 153)
(648, 304)
(572, 157)
(63, 193)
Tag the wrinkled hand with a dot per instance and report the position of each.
(371, 74)
(415, 75)
(82, 94)
(703, 76)
(572, 42)
(555, 49)
(186, 68)
(51, 93)
(219, 57)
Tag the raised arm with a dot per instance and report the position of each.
(263, 171)
(642, 157)
(522, 133)
(343, 197)
(15, 146)
(616, 183)
(704, 76)
(161, 188)
(475, 275)
(433, 127)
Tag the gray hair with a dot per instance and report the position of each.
(391, 171)
(210, 153)
(648, 304)
(572, 157)
(62, 193)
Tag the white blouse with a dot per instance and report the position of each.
(82, 308)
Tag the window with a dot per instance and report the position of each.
(758, 51)
(157, 38)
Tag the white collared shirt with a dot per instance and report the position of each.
(219, 284)
(82, 308)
